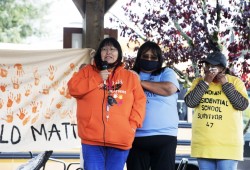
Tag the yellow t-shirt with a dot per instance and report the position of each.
(217, 128)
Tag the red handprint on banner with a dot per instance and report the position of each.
(36, 77)
(52, 70)
(69, 113)
(10, 100)
(64, 91)
(26, 120)
(45, 90)
(19, 69)
(27, 90)
(49, 113)
(3, 72)
(16, 83)
(9, 116)
(72, 66)
(55, 85)
(3, 87)
(34, 106)
(67, 95)
(64, 114)
(34, 119)
(18, 98)
(59, 105)
(22, 113)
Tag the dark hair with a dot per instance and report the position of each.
(105, 42)
(156, 50)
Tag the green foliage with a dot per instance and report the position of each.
(21, 19)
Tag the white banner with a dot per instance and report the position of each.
(36, 110)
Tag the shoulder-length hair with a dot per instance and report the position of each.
(156, 50)
(108, 42)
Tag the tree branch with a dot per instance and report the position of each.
(184, 35)
(140, 36)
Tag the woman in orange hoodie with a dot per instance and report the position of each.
(110, 107)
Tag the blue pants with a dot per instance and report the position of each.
(103, 158)
(217, 164)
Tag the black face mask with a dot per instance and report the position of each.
(148, 65)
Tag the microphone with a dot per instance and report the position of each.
(104, 67)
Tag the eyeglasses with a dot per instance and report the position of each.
(211, 67)
(106, 49)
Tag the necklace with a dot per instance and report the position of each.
(109, 100)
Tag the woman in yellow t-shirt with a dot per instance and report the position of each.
(218, 100)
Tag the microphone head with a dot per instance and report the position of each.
(104, 65)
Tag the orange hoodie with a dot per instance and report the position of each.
(94, 127)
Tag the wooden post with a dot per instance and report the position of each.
(93, 12)
(93, 23)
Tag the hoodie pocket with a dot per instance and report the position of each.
(94, 128)
(119, 131)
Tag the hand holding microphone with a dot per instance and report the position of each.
(104, 72)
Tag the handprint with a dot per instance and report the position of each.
(48, 113)
(16, 83)
(69, 113)
(26, 120)
(55, 85)
(64, 91)
(18, 98)
(63, 114)
(34, 119)
(10, 100)
(36, 77)
(3, 87)
(19, 69)
(28, 90)
(66, 73)
(45, 89)
(59, 105)
(3, 72)
(22, 113)
(72, 66)
(52, 70)
(67, 94)
(9, 116)
(34, 106)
